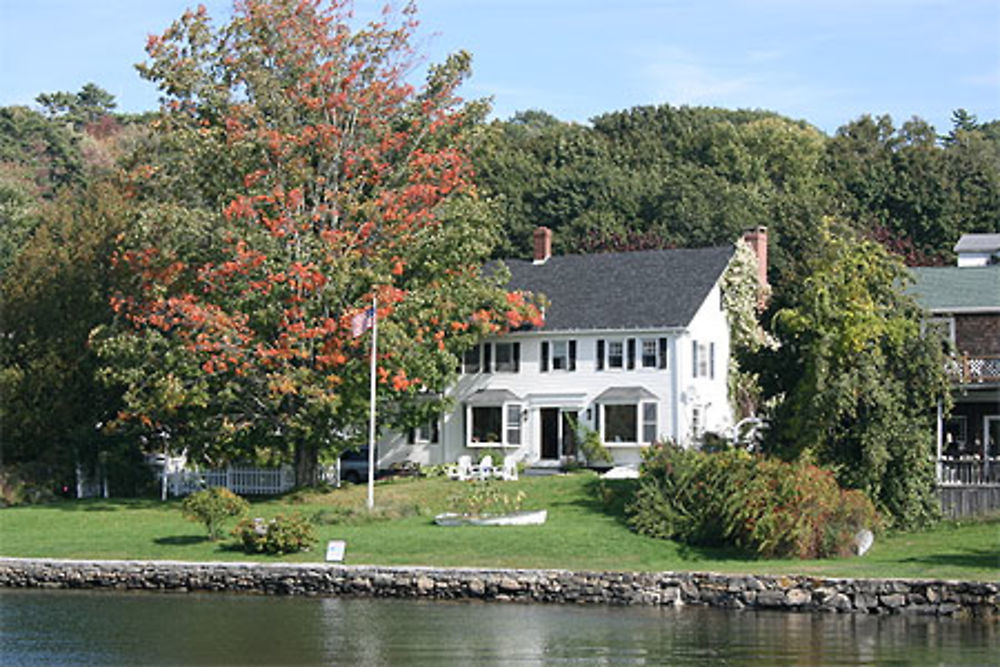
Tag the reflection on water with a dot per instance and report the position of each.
(63, 627)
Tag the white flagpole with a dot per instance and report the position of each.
(371, 409)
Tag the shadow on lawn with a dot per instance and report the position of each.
(608, 497)
(979, 558)
(107, 504)
(181, 540)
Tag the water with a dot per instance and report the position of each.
(83, 627)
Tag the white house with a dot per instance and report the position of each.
(635, 346)
(978, 250)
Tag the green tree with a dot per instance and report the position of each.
(56, 290)
(87, 106)
(298, 175)
(858, 381)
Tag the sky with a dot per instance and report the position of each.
(823, 61)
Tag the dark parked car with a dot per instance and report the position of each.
(354, 465)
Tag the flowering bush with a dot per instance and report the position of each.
(766, 506)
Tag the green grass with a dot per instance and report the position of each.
(582, 533)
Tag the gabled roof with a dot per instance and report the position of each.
(649, 289)
(955, 289)
(978, 243)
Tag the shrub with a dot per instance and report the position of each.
(281, 535)
(592, 448)
(212, 507)
(762, 505)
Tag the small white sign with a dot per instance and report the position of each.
(335, 550)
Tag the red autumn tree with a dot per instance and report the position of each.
(295, 174)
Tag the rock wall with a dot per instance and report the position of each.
(792, 593)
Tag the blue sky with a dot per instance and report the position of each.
(825, 61)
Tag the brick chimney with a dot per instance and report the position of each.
(543, 244)
(757, 240)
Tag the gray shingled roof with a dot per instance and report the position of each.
(949, 288)
(629, 290)
(978, 243)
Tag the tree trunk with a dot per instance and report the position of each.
(306, 465)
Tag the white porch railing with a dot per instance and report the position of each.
(969, 471)
(245, 481)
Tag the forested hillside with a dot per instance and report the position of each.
(678, 176)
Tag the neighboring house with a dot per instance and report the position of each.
(635, 346)
(964, 306)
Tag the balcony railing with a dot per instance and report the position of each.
(968, 471)
(977, 369)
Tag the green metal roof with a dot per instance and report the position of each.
(951, 288)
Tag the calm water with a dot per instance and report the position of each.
(101, 628)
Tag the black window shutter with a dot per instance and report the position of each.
(663, 353)
(517, 357)
(465, 425)
(487, 357)
(411, 436)
(631, 353)
(572, 355)
(694, 358)
(435, 431)
(600, 355)
(545, 356)
(711, 360)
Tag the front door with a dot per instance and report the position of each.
(550, 433)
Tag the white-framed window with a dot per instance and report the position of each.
(513, 424)
(632, 353)
(501, 357)
(425, 434)
(702, 359)
(497, 425)
(616, 354)
(626, 422)
(558, 355)
(486, 423)
(650, 353)
(471, 360)
(620, 423)
(649, 425)
(507, 357)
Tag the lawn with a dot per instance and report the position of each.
(585, 531)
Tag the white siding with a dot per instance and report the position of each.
(678, 393)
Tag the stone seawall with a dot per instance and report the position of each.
(792, 593)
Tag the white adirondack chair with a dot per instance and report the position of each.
(485, 468)
(462, 470)
(509, 470)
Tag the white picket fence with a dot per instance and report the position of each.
(245, 481)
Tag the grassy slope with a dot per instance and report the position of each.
(582, 533)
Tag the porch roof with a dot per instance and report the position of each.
(621, 394)
(492, 397)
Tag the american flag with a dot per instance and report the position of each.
(362, 322)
